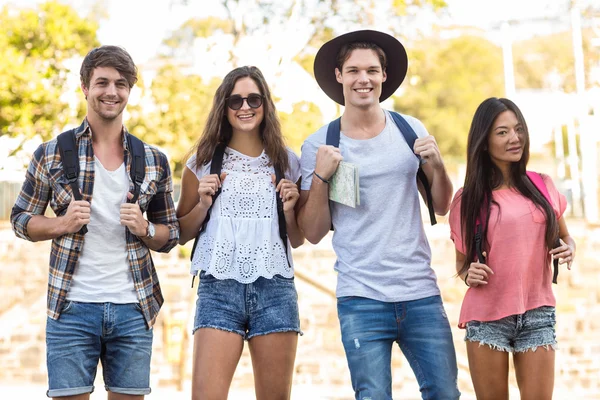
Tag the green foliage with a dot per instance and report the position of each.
(446, 82)
(34, 46)
(303, 121)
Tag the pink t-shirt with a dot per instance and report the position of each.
(517, 254)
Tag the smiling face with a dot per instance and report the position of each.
(361, 77)
(246, 119)
(107, 94)
(506, 139)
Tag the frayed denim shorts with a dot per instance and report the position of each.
(248, 309)
(516, 333)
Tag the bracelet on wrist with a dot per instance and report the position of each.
(321, 178)
(466, 276)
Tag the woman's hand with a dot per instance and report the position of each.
(478, 274)
(288, 191)
(564, 253)
(208, 185)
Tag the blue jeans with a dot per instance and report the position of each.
(421, 329)
(86, 333)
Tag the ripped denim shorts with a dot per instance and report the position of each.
(516, 333)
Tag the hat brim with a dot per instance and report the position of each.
(325, 62)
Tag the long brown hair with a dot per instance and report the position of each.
(218, 129)
(483, 176)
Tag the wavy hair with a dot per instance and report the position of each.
(483, 176)
(218, 129)
(108, 56)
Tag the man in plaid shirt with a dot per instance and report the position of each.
(103, 292)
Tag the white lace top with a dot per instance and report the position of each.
(241, 240)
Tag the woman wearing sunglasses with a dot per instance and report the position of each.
(505, 223)
(246, 289)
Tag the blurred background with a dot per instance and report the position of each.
(543, 54)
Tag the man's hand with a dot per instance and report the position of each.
(328, 159)
(427, 148)
(77, 215)
(132, 218)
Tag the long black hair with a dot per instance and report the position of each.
(483, 176)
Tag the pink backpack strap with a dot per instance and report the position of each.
(539, 183)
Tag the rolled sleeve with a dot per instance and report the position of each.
(161, 209)
(33, 197)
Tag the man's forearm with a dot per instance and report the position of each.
(161, 238)
(441, 191)
(314, 216)
(41, 228)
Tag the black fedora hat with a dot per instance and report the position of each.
(325, 62)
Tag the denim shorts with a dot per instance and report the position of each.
(516, 333)
(252, 309)
(85, 333)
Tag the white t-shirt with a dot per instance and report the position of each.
(241, 240)
(102, 273)
(381, 247)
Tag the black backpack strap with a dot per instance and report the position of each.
(280, 215)
(138, 164)
(69, 155)
(333, 139)
(410, 136)
(478, 244)
(216, 165)
(333, 133)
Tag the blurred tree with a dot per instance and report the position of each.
(269, 19)
(296, 126)
(35, 45)
(175, 114)
(446, 82)
(251, 20)
(547, 62)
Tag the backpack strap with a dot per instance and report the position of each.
(138, 164)
(280, 215)
(333, 133)
(333, 139)
(540, 185)
(69, 155)
(216, 165)
(410, 136)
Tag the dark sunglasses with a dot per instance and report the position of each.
(236, 101)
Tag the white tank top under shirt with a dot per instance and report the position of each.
(241, 240)
(102, 273)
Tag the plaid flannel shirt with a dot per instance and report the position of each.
(45, 183)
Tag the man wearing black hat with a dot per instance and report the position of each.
(386, 289)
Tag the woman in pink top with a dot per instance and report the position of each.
(509, 306)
